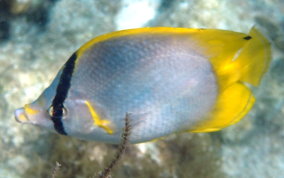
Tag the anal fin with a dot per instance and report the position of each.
(232, 105)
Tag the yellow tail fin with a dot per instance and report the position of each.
(243, 60)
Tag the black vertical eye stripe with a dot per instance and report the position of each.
(61, 94)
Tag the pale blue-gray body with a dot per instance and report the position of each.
(159, 80)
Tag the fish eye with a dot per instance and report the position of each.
(50, 111)
(60, 112)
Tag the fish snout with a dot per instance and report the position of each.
(21, 116)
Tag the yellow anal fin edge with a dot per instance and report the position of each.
(104, 124)
(232, 105)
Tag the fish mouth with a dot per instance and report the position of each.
(26, 114)
(21, 116)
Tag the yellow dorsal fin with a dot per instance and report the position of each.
(254, 58)
(244, 59)
(236, 56)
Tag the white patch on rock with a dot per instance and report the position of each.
(149, 148)
(136, 13)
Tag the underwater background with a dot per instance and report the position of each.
(38, 36)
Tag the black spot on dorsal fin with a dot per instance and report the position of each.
(248, 37)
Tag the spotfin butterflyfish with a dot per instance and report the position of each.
(168, 80)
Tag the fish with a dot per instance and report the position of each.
(167, 80)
